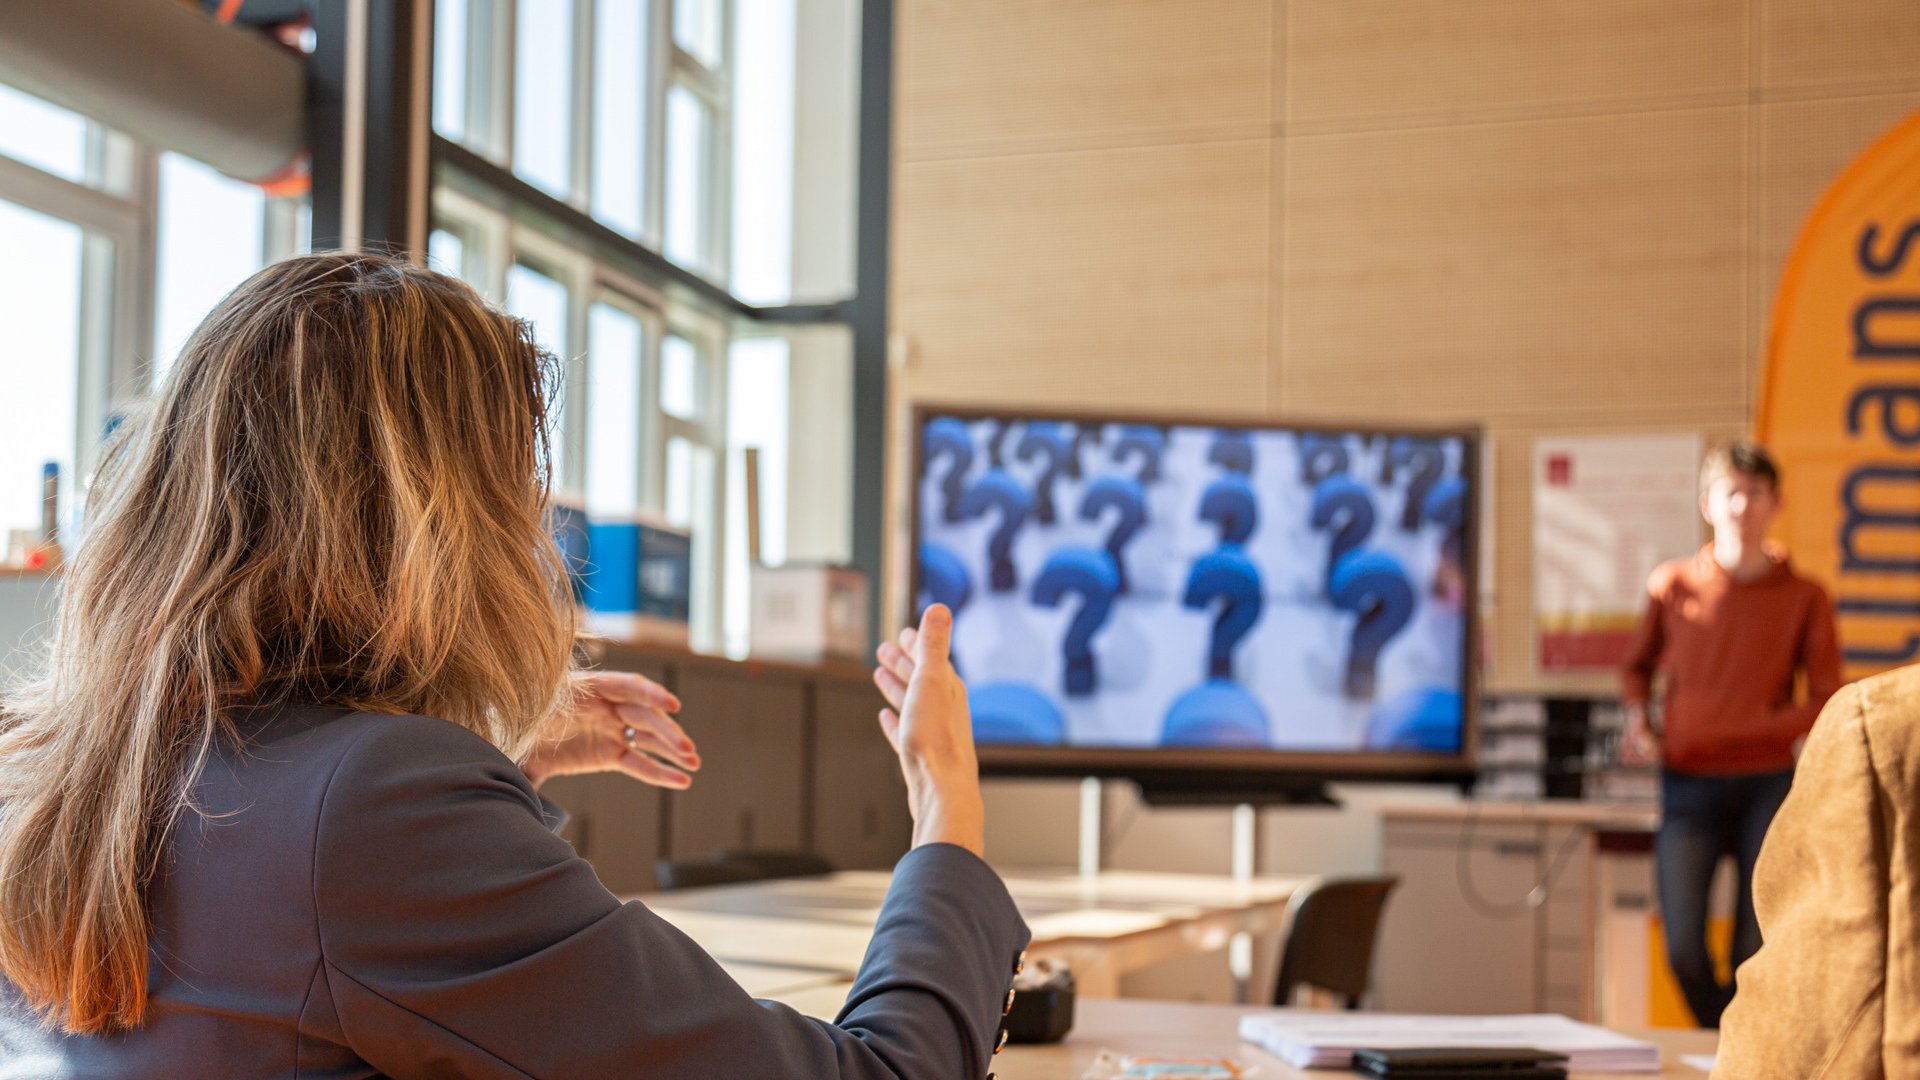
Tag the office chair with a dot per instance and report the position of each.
(778, 864)
(1331, 928)
(673, 874)
(732, 867)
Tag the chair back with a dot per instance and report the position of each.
(1332, 925)
(733, 866)
(778, 864)
(673, 874)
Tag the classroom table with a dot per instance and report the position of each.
(1104, 925)
(1172, 1028)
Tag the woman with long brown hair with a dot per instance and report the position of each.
(269, 808)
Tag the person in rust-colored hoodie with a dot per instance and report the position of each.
(1733, 629)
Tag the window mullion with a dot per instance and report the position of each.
(580, 115)
(140, 276)
(659, 77)
(500, 61)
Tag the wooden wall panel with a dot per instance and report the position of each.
(996, 76)
(1589, 265)
(1378, 61)
(1802, 146)
(1837, 43)
(1124, 277)
(1553, 216)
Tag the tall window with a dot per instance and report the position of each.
(130, 248)
(543, 94)
(40, 301)
(45, 136)
(618, 107)
(616, 404)
(538, 298)
(690, 176)
(212, 235)
(673, 123)
(622, 114)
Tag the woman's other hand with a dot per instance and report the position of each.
(619, 722)
(929, 726)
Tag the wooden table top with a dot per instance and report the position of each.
(1181, 1029)
(1067, 903)
(825, 922)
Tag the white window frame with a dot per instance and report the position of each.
(117, 209)
(489, 107)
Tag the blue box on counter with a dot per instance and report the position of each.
(631, 573)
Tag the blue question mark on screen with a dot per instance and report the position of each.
(998, 491)
(1342, 504)
(944, 580)
(1011, 712)
(1446, 504)
(1447, 508)
(1090, 573)
(997, 444)
(1233, 451)
(1322, 456)
(1226, 575)
(1372, 585)
(1130, 499)
(1426, 461)
(949, 438)
(1230, 504)
(1084, 435)
(1149, 443)
(1048, 440)
(1425, 719)
(1215, 713)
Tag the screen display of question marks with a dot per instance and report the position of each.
(1118, 584)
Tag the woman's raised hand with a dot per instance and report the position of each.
(929, 726)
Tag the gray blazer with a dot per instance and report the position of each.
(368, 895)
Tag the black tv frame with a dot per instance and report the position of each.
(1226, 776)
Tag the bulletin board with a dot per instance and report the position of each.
(1607, 509)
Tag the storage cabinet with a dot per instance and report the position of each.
(1459, 935)
(752, 738)
(860, 818)
(792, 757)
(613, 820)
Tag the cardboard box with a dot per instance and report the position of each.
(809, 612)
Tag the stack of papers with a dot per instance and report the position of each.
(1327, 1040)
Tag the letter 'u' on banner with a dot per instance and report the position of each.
(1840, 403)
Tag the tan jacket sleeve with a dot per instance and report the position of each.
(1811, 1003)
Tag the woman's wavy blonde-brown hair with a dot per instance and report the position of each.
(337, 497)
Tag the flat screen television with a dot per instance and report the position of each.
(1201, 604)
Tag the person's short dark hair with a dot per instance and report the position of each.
(1743, 456)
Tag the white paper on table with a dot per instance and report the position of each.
(1310, 1039)
(1703, 1062)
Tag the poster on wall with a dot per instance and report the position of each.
(1840, 404)
(1607, 509)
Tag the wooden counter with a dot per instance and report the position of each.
(1608, 816)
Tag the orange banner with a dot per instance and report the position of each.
(1840, 406)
